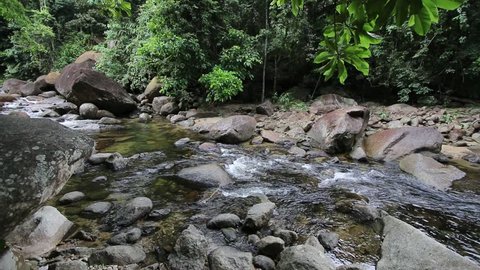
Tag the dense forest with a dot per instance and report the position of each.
(420, 52)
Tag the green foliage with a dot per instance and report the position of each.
(221, 84)
(288, 102)
(116, 8)
(73, 47)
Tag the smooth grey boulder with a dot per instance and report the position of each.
(431, 172)
(233, 129)
(97, 209)
(40, 233)
(134, 210)
(229, 258)
(329, 240)
(304, 257)
(88, 111)
(37, 158)
(190, 251)
(263, 262)
(69, 265)
(271, 246)
(289, 237)
(72, 197)
(392, 144)
(129, 237)
(79, 84)
(224, 221)
(407, 248)
(259, 215)
(205, 176)
(117, 255)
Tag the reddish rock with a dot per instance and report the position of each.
(7, 98)
(13, 86)
(271, 136)
(88, 56)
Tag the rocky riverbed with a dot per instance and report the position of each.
(342, 186)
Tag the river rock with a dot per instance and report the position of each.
(153, 89)
(116, 162)
(354, 266)
(304, 257)
(330, 102)
(169, 108)
(270, 246)
(118, 255)
(107, 118)
(134, 210)
(129, 237)
(72, 197)
(338, 131)
(224, 221)
(329, 240)
(99, 158)
(177, 118)
(40, 233)
(272, 136)
(69, 265)
(430, 172)
(190, 251)
(205, 176)
(405, 247)
(158, 103)
(37, 157)
(65, 108)
(7, 98)
(263, 262)
(233, 129)
(259, 215)
(289, 237)
(97, 209)
(395, 143)
(79, 84)
(401, 109)
(13, 86)
(229, 258)
(265, 108)
(144, 117)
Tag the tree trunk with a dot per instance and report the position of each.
(265, 53)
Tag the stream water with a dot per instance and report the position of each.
(305, 192)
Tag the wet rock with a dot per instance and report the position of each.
(360, 210)
(338, 131)
(253, 239)
(7, 98)
(80, 84)
(233, 129)
(263, 262)
(329, 240)
(153, 89)
(313, 241)
(109, 121)
(88, 111)
(229, 258)
(72, 197)
(190, 250)
(297, 151)
(289, 237)
(97, 209)
(37, 158)
(13, 86)
(133, 211)
(182, 142)
(69, 265)
(265, 108)
(104, 114)
(99, 158)
(129, 237)
(159, 214)
(99, 179)
(8, 261)
(208, 147)
(430, 171)
(270, 246)
(392, 144)
(158, 103)
(40, 233)
(257, 140)
(405, 247)
(116, 162)
(304, 257)
(177, 118)
(259, 215)
(117, 255)
(330, 102)
(358, 154)
(230, 234)
(224, 221)
(65, 107)
(144, 117)
(205, 176)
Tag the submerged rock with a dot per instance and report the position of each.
(233, 129)
(229, 258)
(191, 250)
(37, 157)
(430, 171)
(40, 233)
(205, 176)
(407, 248)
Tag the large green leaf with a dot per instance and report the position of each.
(342, 71)
(421, 22)
(448, 4)
(322, 57)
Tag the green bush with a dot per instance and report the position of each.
(288, 102)
(72, 48)
(221, 84)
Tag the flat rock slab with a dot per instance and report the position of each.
(430, 172)
(407, 248)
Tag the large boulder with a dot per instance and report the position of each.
(205, 176)
(330, 102)
(13, 86)
(190, 251)
(406, 248)
(340, 130)
(395, 143)
(88, 56)
(229, 258)
(37, 158)
(40, 233)
(430, 172)
(80, 84)
(234, 129)
(153, 89)
(304, 257)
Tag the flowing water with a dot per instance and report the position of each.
(305, 192)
